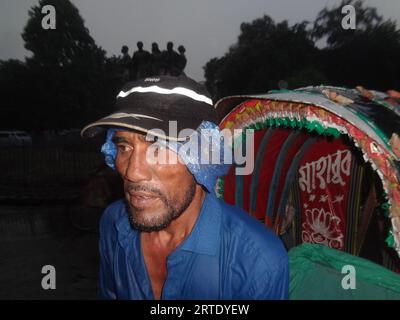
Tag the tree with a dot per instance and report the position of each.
(67, 82)
(265, 53)
(15, 79)
(70, 43)
(328, 23)
(268, 53)
(64, 83)
(367, 55)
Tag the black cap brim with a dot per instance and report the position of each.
(144, 125)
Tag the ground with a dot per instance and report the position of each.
(34, 236)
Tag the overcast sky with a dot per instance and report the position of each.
(205, 27)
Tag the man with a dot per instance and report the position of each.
(170, 60)
(182, 60)
(140, 62)
(125, 61)
(171, 238)
(156, 62)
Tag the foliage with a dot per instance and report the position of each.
(67, 82)
(270, 55)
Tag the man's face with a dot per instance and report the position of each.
(156, 194)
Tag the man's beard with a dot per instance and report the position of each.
(173, 208)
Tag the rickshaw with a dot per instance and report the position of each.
(326, 180)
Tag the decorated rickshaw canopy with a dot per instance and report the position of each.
(371, 119)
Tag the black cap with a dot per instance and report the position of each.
(153, 102)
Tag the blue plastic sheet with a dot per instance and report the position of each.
(210, 145)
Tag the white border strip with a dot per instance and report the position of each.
(178, 90)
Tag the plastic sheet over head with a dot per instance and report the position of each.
(109, 149)
(202, 153)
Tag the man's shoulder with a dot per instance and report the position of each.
(251, 235)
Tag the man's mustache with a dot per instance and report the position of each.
(132, 187)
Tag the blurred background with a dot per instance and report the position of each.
(54, 185)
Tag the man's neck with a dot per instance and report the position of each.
(180, 228)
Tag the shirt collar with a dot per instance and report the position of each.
(125, 231)
(203, 238)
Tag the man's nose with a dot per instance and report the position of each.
(138, 168)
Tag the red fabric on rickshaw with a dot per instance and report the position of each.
(271, 153)
(295, 146)
(229, 186)
(229, 179)
(272, 149)
(324, 185)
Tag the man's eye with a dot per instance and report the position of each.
(123, 148)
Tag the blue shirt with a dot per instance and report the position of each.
(227, 255)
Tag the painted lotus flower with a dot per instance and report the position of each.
(322, 227)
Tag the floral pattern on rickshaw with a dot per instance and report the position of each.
(322, 227)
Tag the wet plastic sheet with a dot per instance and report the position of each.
(316, 274)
